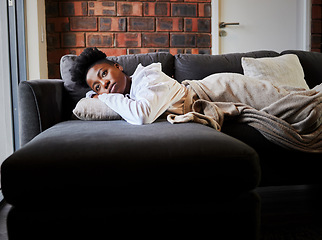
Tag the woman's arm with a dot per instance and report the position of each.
(140, 111)
(152, 93)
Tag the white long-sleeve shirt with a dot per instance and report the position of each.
(152, 93)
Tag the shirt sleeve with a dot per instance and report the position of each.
(152, 96)
(90, 94)
(132, 111)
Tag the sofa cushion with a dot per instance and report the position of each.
(128, 62)
(285, 70)
(311, 64)
(198, 66)
(116, 162)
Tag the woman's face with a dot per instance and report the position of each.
(106, 78)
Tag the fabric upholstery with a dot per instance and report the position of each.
(160, 158)
(40, 107)
(197, 66)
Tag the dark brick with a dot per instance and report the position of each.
(163, 50)
(204, 51)
(316, 40)
(73, 40)
(156, 9)
(188, 51)
(57, 24)
(102, 8)
(158, 40)
(129, 9)
(128, 40)
(175, 51)
(112, 24)
(83, 24)
(73, 8)
(184, 9)
(135, 51)
(170, 24)
(189, 25)
(315, 50)
(183, 40)
(198, 50)
(76, 51)
(54, 55)
(53, 71)
(53, 40)
(204, 25)
(69, 40)
(108, 4)
(162, 9)
(99, 40)
(204, 9)
(316, 12)
(316, 26)
(140, 50)
(141, 24)
(204, 40)
(197, 25)
(52, 9)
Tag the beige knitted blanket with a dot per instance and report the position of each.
(287, 116)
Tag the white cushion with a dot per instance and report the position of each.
(285, 70)
(94, 109)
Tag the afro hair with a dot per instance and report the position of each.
(83, 62)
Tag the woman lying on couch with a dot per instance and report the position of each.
(286, 115)
(139, 99)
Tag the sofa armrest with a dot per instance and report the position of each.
(40, 106)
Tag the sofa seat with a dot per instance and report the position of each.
(118, 163)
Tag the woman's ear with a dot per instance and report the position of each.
(118, 66)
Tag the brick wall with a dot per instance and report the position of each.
(126, 27)
(137, 26)
(316, 26)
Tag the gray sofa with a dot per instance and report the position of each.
(108, 178)
(113, 162)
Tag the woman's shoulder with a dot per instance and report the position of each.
(156, 67)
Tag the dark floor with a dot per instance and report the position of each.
(279, 213)
(291, 212)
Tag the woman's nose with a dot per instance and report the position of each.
(105, 84)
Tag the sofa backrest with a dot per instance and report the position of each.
(197, 66)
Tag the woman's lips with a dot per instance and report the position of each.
(112, 88)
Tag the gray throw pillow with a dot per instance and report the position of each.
(94, 109)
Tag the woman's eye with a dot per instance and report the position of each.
(104, 73)
(97, 88)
